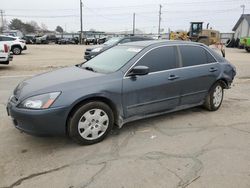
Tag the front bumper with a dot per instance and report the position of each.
(39, 122)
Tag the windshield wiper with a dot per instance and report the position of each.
(89, 68)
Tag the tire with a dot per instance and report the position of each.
(247, 49)
(17, 50)
(215, 97)
(85, 126)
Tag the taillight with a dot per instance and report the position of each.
(6, 48)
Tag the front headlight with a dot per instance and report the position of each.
(97, 49)
(43, 101)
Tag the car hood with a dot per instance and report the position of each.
(58, 80)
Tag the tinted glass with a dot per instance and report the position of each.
(7, 39)
(193, 55)
(112, 59)
(210, 58)
(125, 41)
(162, 58)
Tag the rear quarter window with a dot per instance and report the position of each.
(193, 55)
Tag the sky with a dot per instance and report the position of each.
(117, 15)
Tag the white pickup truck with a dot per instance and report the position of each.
(5, 54)
(16, 44)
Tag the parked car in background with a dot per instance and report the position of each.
(92, 52)
(51, 38)
(5, 54)
(102, 40)
(90, 40)
(29, 39)
(16, 44)
(125, 83)
(74, 40)
(41, 40)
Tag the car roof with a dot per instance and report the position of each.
(159, 42)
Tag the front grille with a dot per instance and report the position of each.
(86, 53)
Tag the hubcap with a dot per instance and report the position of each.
(93, 124)
(16, 50)
(217, 96)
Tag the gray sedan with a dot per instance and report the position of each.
(126, 83)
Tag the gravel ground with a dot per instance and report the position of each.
(190, 148)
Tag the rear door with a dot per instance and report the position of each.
(157, 91)
(198, 73)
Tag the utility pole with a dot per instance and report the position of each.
(134, 24)
(2, 21)
(159, 26)
(243, 8)
(81, 20)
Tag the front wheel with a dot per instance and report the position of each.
(17, 50)
(214, 98)
(91, 123)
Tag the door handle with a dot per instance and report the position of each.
(173, 77)
(213, 69)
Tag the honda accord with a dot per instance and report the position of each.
(125, 83)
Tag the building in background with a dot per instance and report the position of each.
(242, 27)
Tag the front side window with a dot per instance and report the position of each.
(193, 55)
(159, 59)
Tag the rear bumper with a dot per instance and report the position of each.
(5, 59)
(39, 122)
(11, 56)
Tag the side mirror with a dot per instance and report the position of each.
(138, 71)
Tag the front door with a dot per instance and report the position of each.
(157, 91)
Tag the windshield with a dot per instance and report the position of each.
(112, 59)
(112, 41)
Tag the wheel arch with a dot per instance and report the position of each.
(223, 82)
(94, 99)
(16, 45)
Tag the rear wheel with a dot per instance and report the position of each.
(215, 97)
(91, 123)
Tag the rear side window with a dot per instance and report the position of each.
(159, 59)
(193, 55)
(210, 58)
